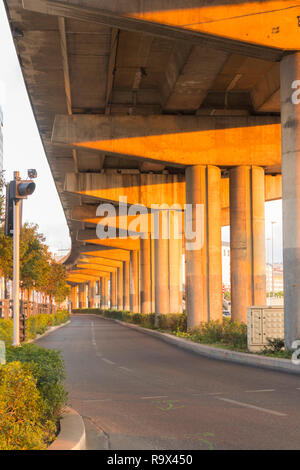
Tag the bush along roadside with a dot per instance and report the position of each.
(226, 334)
(32, 397)
(170, 322)
(36, 325)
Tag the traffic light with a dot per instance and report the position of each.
(16, 190)
(22, 326)
(21, 189)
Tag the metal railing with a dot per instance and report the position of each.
(27, 307)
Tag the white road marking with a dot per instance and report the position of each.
(207, 393)
(98, 354)
(148, 398)
(248, 405)
(97, 399)
(107, 360)
(257, 391)
(93, 334)
(125, 368)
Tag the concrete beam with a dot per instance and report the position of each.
(87, 212)
(97, 267)
(180, 140)
(76, 277)
(107, 252)
(139, 188)
(194, 78)
(228, 26)
(100, 261)
(81, 272)
(266, 93)
(122, 243)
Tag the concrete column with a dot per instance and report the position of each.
(290, 166)
(82, 296)
(74, 296)
(145, 264)
(203, 256)
(126, 285)
(247, 240)
(120, 288)
(92, 292)
(161, 252)
(152, 270)
(104, 292)
(101, 292)
(175, 251)
(86, 294)
(113, 290)
(134, 282)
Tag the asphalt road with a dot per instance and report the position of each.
(145, 394)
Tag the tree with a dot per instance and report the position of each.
(57, 286)
(34, 258)
(37, 269)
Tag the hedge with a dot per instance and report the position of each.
(169, 322)
(36, 325)
(226, 333)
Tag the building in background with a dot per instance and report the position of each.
(277, 278)
(226, 265)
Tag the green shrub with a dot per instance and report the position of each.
(227, 332)
(6, 331)
(172, 322)
(47, 367)
(275, 345)
(61, 316)
(23, 421)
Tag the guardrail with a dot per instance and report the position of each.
(27, 308)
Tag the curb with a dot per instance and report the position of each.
(72, 432)
(52, 328)
(254, 360)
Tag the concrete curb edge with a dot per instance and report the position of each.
(72, 434)
(50, 330)
(254, 360)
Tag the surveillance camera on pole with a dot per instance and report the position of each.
(16, 191)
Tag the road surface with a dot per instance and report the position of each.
(137, 392)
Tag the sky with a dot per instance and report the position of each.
(23, 150)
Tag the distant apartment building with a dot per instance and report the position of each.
(274, 283)
(226, 264)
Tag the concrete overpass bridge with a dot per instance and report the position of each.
(169, 102)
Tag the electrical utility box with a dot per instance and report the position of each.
(264, 323)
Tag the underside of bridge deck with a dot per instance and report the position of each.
(164, 102)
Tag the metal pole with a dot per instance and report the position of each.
(16, 274)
